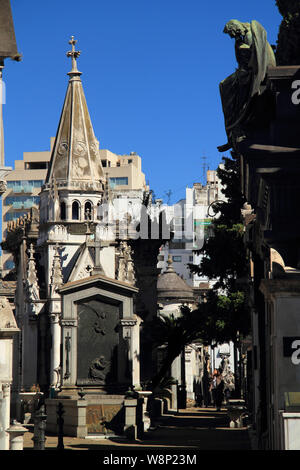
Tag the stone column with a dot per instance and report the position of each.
(16, 433)
(55, 350)
(56, 281)
(68, 210)
(145, 254)
(69, 353)
(135, 353)
(4, 416)
(8, 328)
(128, 360)
(133, 428)
(30, 351)
(176, 374)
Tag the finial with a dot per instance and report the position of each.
(74, 55)
(170, 268)
(31, 251)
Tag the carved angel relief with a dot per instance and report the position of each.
(98, 368)
(80, 161)
(98, 326)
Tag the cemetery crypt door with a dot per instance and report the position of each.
(97, 341)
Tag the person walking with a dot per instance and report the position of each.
(213, 386)
(219, 391)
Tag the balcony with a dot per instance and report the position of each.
(28, 204)
(17, 205)
(26, 189)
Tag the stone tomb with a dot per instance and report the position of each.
(100, 355)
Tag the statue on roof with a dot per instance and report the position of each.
(254, 55)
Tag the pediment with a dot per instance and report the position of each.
(83, 266)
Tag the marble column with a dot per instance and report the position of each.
(4, 415)
(55, 351)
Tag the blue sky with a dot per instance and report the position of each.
(150, 70)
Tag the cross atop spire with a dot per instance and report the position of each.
(74, 55)
(75, 155)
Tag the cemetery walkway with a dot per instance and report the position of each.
(190, 429)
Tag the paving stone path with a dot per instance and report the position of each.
(191, 430)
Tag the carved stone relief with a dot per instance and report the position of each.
(97, 342)
(125, 268)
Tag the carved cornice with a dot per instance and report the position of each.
(124, 322)
(68, 322)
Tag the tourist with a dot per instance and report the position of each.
(213, 387)
(219, 391)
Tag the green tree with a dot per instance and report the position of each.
(224, 259)
(173, 332)
(224, 312)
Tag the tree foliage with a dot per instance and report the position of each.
(224, 254)
(288, 43)
(224, 259)
(174, 333)
(224, 311)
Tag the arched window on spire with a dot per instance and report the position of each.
(62, 210)
(88, 211)
(75, 210)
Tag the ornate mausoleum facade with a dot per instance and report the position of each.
(86, 275)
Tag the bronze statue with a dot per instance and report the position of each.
(254, 55)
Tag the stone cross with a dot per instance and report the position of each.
(74, 54)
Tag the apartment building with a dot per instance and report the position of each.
(124, 171)
(191, 220)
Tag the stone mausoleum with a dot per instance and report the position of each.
(85, 283)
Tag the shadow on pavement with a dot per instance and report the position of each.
(183, 430)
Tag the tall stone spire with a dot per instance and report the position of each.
(75, 155)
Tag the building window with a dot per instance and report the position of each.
(191, 258)
(36, 165)
(75, 210)
(9, 264)
(104, 163)
(121, 181)
(62, 211)
(88, 214)
(24, 185)
(13, 215)
(176, 259)
(20, 202)
(176, 245)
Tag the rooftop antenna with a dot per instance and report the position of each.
(204, 167)
(168, 194)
